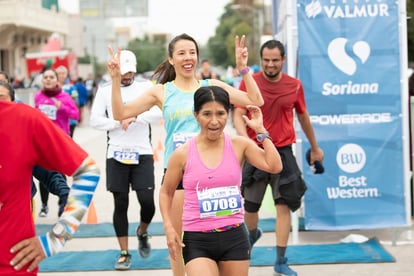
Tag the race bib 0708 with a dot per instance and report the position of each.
(222, 201)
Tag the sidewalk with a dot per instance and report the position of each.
(94, 142)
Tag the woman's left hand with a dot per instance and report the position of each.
(256, 119)
(241, 52)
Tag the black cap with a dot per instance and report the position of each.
(317, 166)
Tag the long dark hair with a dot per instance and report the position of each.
(6, 76)
(208, 94)
(165, 72)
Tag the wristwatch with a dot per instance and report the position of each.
(261, 136)
(59, 231)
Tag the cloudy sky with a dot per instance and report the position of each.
(198, 18)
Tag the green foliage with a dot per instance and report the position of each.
(234, 22)
(221, 46)
(149, 54)
(85, 59)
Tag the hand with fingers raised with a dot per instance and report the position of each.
(241, 52)
(114, 67)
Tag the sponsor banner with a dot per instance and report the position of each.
(350, 69)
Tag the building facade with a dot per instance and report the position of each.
(25, 26)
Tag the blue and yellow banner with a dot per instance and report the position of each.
(349, 63)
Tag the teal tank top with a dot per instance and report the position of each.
(179, 121)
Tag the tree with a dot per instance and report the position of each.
(221, 45)
(237, 19)
(149, 54)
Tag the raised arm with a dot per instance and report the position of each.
(253, 95)
(140, 104)
(266, 158)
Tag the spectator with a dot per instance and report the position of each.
(281, 94)
(91, 86)
(60, 108)
(29, 139)
(53, 182)
(67, 85)
(205, 71)
(82, 97)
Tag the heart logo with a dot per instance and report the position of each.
(340, 58)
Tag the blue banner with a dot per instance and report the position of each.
(349, 63)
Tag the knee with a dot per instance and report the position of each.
(121, 202)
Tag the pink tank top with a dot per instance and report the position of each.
(212, 197)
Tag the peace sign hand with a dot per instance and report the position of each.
(241, 52)
(113, 66)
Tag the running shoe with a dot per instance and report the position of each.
(258, 236)
(123, 262)
(282, 269)
(43, 211)
(144, 247)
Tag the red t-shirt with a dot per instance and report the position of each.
(280, 98)
(27, 137)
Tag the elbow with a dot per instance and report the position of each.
(117, 117)
(260, 103)
(277, 168)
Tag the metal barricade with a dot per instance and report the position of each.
(26, 95)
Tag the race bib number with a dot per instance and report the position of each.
(127, 156)
(49, 110)
(180, 138)
(217, 202)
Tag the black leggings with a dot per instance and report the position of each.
(120, 216)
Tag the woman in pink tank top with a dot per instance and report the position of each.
(209, 164)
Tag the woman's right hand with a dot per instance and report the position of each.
(114, 68)
(174, 243)
(241, 52)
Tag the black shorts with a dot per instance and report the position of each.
(288, 187)
(232, 245)
(119, 177)
(179, 186)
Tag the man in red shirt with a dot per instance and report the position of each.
(29, 138)
(282, 95)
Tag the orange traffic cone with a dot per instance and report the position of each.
(92, 218)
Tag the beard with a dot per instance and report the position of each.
(271, 75)
(127, 81)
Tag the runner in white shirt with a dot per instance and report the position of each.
(129, 160)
